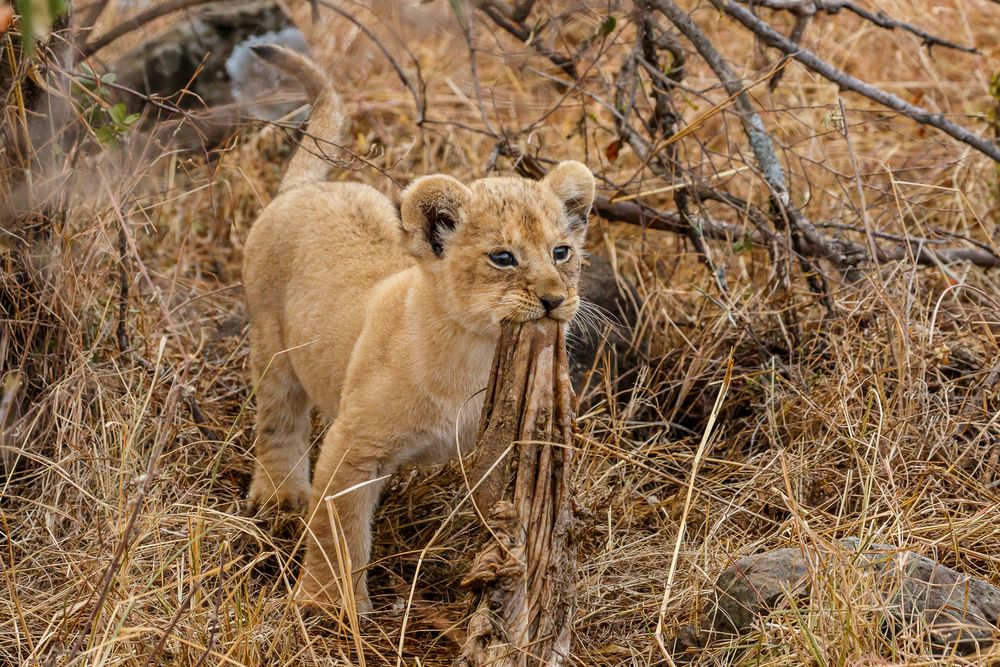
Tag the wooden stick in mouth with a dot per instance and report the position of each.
(523, 580)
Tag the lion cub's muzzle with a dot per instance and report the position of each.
(557, 307)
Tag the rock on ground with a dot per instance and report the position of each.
(946, 609)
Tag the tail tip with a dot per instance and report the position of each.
(265, 51)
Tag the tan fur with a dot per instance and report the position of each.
(387, 324)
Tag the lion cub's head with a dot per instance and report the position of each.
(503, 248)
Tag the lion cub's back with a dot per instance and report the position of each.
(310, 263)
(323, 235)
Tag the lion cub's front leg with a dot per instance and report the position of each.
(349, 477)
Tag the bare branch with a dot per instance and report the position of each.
(517, 28)
(136, 22)
(663, 125)
(772, 37)
(814, 244)
(804, 8)
(420, 101)
(920, 250)
(798, 32)
(467, 21)
(786, 215)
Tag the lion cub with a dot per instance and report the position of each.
(386, 322)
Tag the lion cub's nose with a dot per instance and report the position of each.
(551, 301)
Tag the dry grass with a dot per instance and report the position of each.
(881, 422)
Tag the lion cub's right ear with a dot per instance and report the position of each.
(432, 208)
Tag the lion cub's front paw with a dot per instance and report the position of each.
(286, 498)
(315, 605)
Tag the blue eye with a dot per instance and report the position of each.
(502, 259)
(560, 253)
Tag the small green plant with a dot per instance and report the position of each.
(121, 122)
(109, 121)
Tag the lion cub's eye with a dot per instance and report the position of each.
(502, 259)
(560, 253)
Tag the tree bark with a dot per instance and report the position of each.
(523, 580)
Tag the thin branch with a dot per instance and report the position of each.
(881, 19)
(420, 101)
(466, 21)
(773, 38)
(136, 22)
(649, 217)
(798, 32)
(518, 29)
(86, 19)
(662, 126)
(787, 215)
(522, 9)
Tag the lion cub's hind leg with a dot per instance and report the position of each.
(281, 472)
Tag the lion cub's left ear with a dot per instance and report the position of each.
(574, 185)
(432, 208)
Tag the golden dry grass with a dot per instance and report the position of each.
(881, 422)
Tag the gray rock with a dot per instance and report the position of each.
(950, 610)
(753, 587)
(202, 42)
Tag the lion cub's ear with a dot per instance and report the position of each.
(431, 209)
(574, 185)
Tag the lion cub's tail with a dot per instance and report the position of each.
(326, 123)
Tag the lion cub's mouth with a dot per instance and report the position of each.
(562, 314)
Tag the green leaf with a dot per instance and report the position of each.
(742, 245)
(106, 135)
(117, 112)
(131, 118)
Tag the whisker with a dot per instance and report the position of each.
(592, 323)
(605, 315)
